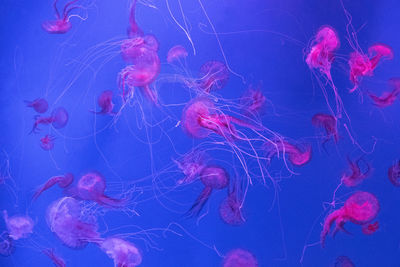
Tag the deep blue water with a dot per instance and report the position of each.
(263, 41)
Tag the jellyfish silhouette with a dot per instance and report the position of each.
(61, 24)
(58, 119)
(122, 252)
(63, 181)
(40, 105)
(240, 258)
(18, 226)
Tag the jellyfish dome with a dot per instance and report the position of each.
(18, 226)
(240, 258)
(122, 252)
(362, 207)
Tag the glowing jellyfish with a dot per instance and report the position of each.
(356, 175)
(343, 261)
(105, 103)
(360, 208)
(253, 100)
(297, 155)
(40, 105)
(240, 258)
(214, 75)
(66, 219)
(63, 181)
(6, 244)
(213, 178)
(47, 142)
(58, 119)
(387, 98)
(62, 23)
(370, 228)
(18, 226)
(328, 123)
(394, 174)
(122, 252)
(176, 53)
(57, 260)
(191, 166)
(230, 209)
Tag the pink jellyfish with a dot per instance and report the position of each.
(57, 260)
(66, 220)
(18, 226)
(214, 75)
(363, 65)
(40, 105)
(240, 258)
(191, 166)
(230, 209)
(370, 228)
(387, 98)
(253, 100)
(298, 156)
(133, 29)
(122, 252)
(105, 103)
(394, 174)
(63, 181)
(62, 23)
(343, 261)
(176, 53)
(213, 178)
(200, 119)
(356, 175)
(47, 142)
(6, 244)
(328, 123)
(58, 119)
(360, 208)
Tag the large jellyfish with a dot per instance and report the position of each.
(67, 220)
(214, 75)
(356, 175)
(230, 209)
(124, 253)
(63, 181)
(18, 226)
(394, 173)
(328, 123)
(58, 119)
(40, 105)
(360, 208)
(240, 258)
(213, 178)
(61, 24)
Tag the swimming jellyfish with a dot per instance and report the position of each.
(63, 181)
(240, 258)
(62, 23)
(58, 119)
(191, 165)
(297, 155)
(105, 103)
(176, 53)
(356, 175)
(47, 142)
(328, 123)
(387, 98)
(343, 261)
(18, 226)
(6, 244)
(40, 105)
(230, 209)
(214, 75)
(360, 208)
(370, 228)
(394, 173)
(253, 100)
(124, 253)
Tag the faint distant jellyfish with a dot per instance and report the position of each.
(47, 142)
(239, 258)
(253, 100)
(176, 53)
(328, 123)
(63, 181)
(105, 103)
(133, 29)
(213, 178)
(394, 174)
(343, 261)
(214, 75)
(62, 23)
(360, 208)
(57, 260)
(370, 228)
(6, 245)
(191, 166)
(58, 119)
(40, 105)
(387, 98)
(65, 219)
(230, 209)
(18, 226)
(122, 252)
(356, 175)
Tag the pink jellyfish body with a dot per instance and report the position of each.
(394, 174)
(18, 226)
(253, 100)
(298, 156)
(360, 208)
(176, 53)
(240, 258)
(40, 105)
(191, 166)
(230, 209)
(65, 219)
(356, 175)
(328, 123)
(343, 261)
(47, 142)
(61, 24)
(124, 253)
(58, 119)
(387, 98)
(370, 228)
(105, 103)
(6, 244)
(57, 260)
(213, 178)
(214, 75)
(63, 181)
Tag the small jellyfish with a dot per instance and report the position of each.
(105, 103)
(298, 156)
(356, 175)
(139, 49)
(58, 119)
(176, 53)
(40, 105)
(57, 260)
(370, 228)
(360, 208)
(191, 166)
(230, 209)
(394, 174)
(6, 244)
(122, 252)
(387, 98)
(253, 100)
(63, 181)
(214, 76)
(239, 258)
(18, 226)
(62, 23)
(47, 142)
(343, 261)
(213, 178)
(328, 123)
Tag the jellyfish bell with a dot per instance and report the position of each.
(60, 118)
(240, 258)
(18, 226)
(230, 209)
(343, 261)
(214, 75)
(176, 53)
(394, 174)
(121, 251)
(40, 105)
(56, 26)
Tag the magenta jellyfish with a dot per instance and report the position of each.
(394, 174)
(63, 181)
(191, 165)
(230, 209)
(122, 252)
(213, 178)
(297, 155)
(356, 175)
(253, 100)
(40, 105)
(343, 261)
(239, 258)
(328, 123)
(360, 208)
(57, 260)
(47, 142)
(214, 75)
(176, 53)
(370, 228)
(6, 244)
(387, 98)
(66, 219)
(61, 24)
(18, 226)
(58, 119)
(105, 103)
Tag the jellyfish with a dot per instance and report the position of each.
(240, 258)
(213, 178)
(370, 228)
(40, 105)
(328, 123)
(360, 208)
(253, 100)
(133, 29)
(139, 49)
(298, 156)
(63, 181)
(57, 260)
(47, 142)
(343, 261)
(62, 23)
(356, 175)
(387, 98)
(176, 53)
(230, 209)
(191, 166)
(394, 174)
(214, 75)
(58, 119)
(121, 251)
(18, 226)
(105, 103)
(67, 221)
(6, 244)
